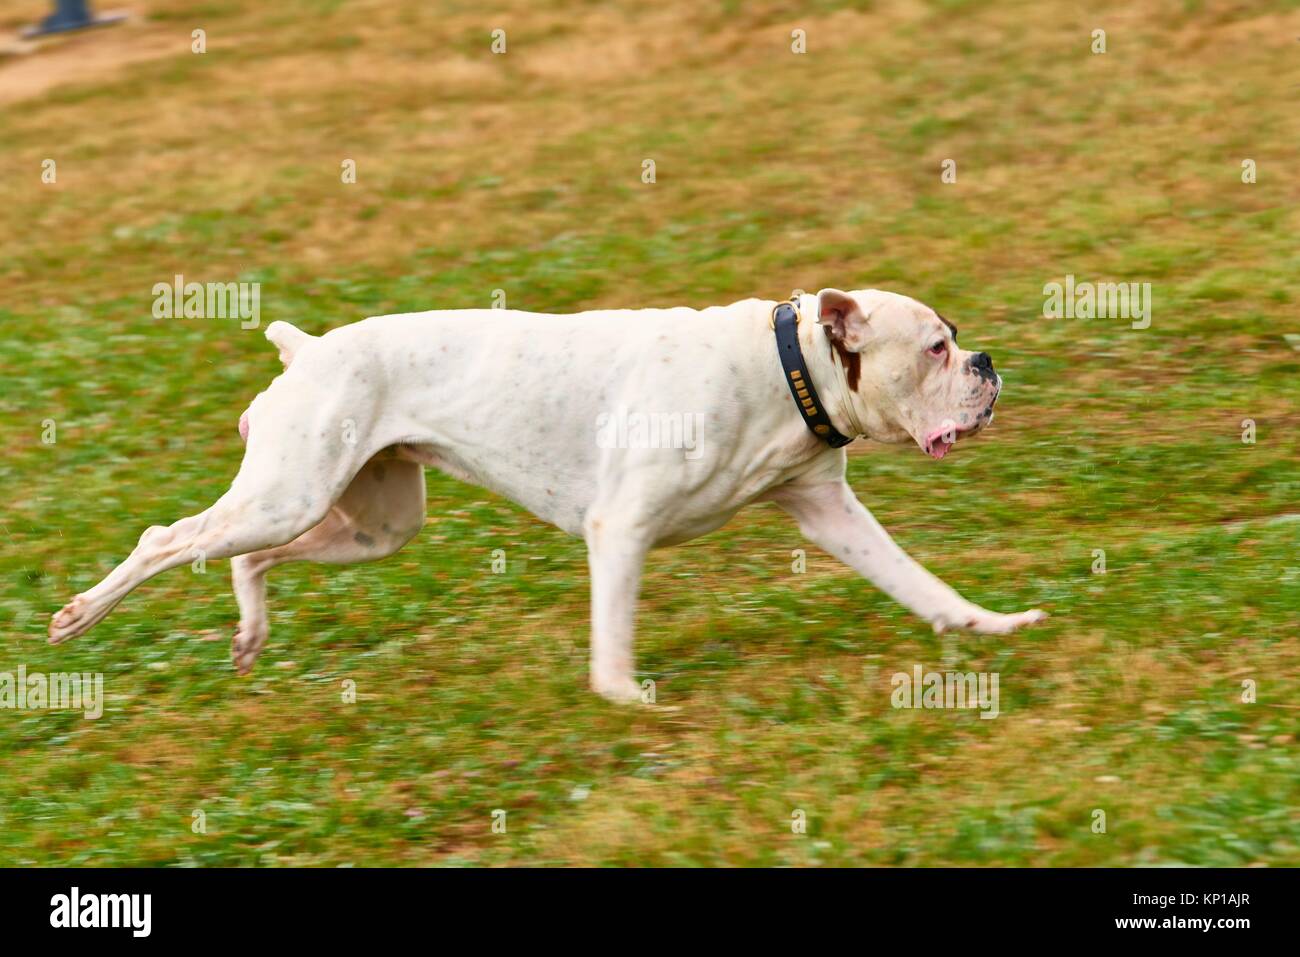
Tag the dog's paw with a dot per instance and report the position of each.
(246, 646)
(984, 622)
(995, 624)
(620, 690)
(70, 620)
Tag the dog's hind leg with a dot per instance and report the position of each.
(298, 463)
(382, 509)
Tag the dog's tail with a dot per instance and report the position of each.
(288, 338)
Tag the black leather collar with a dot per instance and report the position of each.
(785, 322)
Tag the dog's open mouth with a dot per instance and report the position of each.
(938, 442)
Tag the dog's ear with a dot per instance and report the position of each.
(842, 318)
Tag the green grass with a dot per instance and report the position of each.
(774, 171)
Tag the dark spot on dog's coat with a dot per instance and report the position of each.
(361, 538)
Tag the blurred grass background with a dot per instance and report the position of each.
(522, 172)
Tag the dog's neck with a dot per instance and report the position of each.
(830, 378)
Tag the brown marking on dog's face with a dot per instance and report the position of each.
(851, 360)
(839, 315)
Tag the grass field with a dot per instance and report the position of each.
(522, 172)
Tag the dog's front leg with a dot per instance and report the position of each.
(831, 516)
(616, 557)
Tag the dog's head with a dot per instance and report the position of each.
(907, 375)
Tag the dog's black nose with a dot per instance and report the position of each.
(982, 363)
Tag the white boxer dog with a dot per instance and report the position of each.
(630, 428)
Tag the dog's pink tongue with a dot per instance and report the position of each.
(938, 443)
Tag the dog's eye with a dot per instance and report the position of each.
(939, 348)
